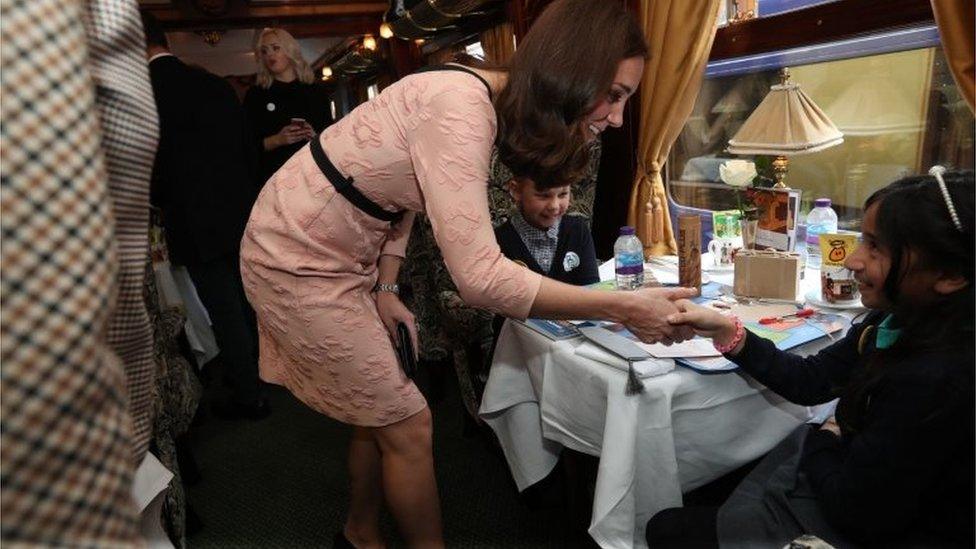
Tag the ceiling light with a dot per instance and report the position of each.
(369, 42)
(386, 31)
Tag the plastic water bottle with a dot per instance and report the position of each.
(821, 219)
(628, 256)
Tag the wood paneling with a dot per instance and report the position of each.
(824, 23)
(301, 18)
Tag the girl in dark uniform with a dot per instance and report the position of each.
(895, 468)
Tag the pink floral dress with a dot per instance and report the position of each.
(308, 257)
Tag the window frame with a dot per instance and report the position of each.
(817, 24)
(844, 28)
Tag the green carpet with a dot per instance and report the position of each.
(281, 482)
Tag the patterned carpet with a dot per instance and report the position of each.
(281, 482)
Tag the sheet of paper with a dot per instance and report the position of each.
(693, 348)
(716, 364)
(755, 311)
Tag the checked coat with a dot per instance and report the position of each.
(130, 131)
(66, 447)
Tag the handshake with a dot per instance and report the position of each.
(665, 315)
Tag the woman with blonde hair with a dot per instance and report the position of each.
(286, 107)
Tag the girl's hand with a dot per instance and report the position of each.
(648, 320)
(705, 322)
(831, 425)
(391, 311)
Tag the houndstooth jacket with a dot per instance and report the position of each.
(66, 460)
(130, 131)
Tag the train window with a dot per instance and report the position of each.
(900, 113)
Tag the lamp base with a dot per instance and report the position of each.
(780, 167)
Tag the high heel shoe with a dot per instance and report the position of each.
(340, 541)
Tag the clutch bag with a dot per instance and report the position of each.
(405, 352)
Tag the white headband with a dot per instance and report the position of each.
(937, 171)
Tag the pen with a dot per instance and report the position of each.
(803, 313)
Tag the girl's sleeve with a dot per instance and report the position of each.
(802, 380)
(449, 143)
(874, 484)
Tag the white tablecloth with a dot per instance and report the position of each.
(684, 431)
(176, 289)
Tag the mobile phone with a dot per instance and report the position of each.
(300, 121)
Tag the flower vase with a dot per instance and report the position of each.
(749, 228)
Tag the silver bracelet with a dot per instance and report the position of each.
(392, 288)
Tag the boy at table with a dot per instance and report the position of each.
(540, 236)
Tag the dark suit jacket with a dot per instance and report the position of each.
(203, 179)
(574, 236)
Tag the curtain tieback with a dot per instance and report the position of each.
(648, 172)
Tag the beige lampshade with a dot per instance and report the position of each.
(787, 122)
(876, 106)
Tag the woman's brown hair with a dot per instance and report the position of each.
(560, 70)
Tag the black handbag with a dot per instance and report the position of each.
(405, 352)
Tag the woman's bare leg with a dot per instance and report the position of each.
(365, 490)
(408, 479)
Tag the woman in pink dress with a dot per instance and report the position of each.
(320, 269)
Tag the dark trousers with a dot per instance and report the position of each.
(684, 528)
(218, 283)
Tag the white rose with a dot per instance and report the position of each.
(737, 173)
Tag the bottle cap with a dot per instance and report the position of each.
(626, 230)
(822, 203)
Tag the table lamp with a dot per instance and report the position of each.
(786, 123)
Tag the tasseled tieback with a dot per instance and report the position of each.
(653, 232)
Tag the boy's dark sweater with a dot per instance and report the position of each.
(574, 236)
(908, 471)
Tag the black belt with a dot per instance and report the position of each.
(345, 187)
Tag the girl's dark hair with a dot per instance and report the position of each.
(561, 68)
(912, 218)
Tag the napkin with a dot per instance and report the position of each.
(644, 368)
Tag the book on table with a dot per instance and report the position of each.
(555, 330)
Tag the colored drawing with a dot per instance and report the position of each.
(604, 285)
(815, 328)
(765, 333)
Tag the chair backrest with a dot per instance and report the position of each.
(707, 228)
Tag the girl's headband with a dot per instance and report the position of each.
(937, 171)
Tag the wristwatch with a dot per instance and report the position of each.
(381, 287)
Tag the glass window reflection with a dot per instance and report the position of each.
(900, 113)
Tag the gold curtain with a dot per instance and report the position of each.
(956, 27)
(679, 34)
(499, 44)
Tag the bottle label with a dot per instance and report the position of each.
(631, 263)
(814, 231)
